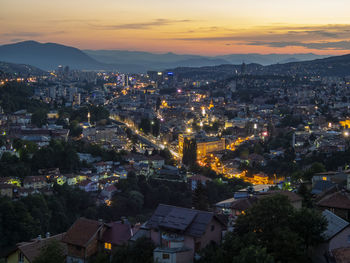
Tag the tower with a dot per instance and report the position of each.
(243, 68)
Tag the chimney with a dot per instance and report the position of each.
(47, 234)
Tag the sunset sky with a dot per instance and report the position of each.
(204, 27)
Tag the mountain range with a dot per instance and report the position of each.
(127, 60)
(48, 56)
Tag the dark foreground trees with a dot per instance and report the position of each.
(271, 231)
(53, 252)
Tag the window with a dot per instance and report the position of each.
(324, 178)
(348, 239)
(108, 246)
(197, 246)
(20, 257)
(166, 256)
(212, 228)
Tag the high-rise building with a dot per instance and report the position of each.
(52, 92)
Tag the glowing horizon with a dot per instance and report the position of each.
(184, 27)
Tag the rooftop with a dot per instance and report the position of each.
(81, 231)
(335, 224)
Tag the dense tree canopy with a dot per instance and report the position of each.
(271, 231)
(53, 252)
(189, 156)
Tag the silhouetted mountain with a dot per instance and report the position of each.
(332, 66)
(129, 61)
(220, 72)
(47, 56)
(126, 60)
(20, 69)
(269, 59)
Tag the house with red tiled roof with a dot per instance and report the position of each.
(156, 161)
(27, 252)
(82, 240)
(116, 234)
(88, 186)
(36, 182)
(86, 238)
(338, 203)
(108, 191)
(7, 190)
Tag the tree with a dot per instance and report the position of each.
(200, 197)
(51, 253)
(139, 251)
(75, 130)
(158, 103)
(101, 258)
(316, 167)
(155, 127)
(166, 154)
(253, 254)
(271, 231)
(145, 125)
(39, 117)
(189, 152)
(281, 228)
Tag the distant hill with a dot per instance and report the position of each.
(47, 56)
(269, 59)
(332, 66)
(126, 60)
(20, 69)
(143, 61)
(220, 72)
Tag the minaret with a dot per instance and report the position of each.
(211, 105)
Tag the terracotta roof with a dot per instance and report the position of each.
(111, 188)
(156, 158)
(32, 179)
(335, 200)
(243, 204)
(293, 197)
(32, 249)
(117, 233)
(256, 157)
(199, 177)
(6, 186)
(85, 183)
(341, 255)
(82, 231)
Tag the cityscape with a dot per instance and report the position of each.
(174, 133)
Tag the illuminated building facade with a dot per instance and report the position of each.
(205, 145)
